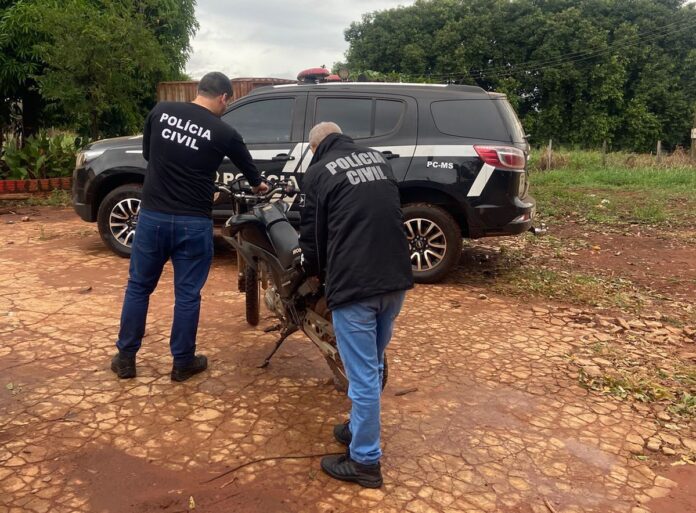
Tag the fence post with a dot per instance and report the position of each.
(658, 155)
(548, 155)
(604, 153)
(693, 139)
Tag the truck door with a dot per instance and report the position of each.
(272, 128)
(387, 123)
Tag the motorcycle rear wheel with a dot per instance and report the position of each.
(340, 378)
(251, 293)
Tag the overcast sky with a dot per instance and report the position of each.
(274, 38)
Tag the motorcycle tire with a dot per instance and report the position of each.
(241, 276)
(251, 292)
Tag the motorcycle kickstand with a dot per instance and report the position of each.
(275, 327)
(280, 341)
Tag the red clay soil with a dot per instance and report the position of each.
(497, 422)
(648, 257)
(682, 498)
(118, 483)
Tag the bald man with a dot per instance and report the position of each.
(352, 234)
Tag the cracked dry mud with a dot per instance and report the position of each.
(498, 423)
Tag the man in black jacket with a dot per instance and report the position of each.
(352, 232)
(184, 144)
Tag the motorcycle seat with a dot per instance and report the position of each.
(286, 243)
(284, 238)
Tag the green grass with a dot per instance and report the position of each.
(581, 289)
(623, 386)
(625, 191)
(647, 386)
(684, 405)
(516, 272)
(56, 198)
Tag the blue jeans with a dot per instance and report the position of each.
(188, 242)
(363, 330)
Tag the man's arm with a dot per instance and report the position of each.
(312, 228)
(239, 154)
(146, 137)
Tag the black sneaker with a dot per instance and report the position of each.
(199, 364)
(342, 433)
(345, 469)
(123, 365)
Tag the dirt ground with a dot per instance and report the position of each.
(515, 408)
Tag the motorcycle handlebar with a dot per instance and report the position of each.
(285, 187)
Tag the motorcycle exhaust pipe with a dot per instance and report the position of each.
(538, 230)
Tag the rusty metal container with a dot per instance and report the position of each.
(185, 91)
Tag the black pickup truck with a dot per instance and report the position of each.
(458, 152)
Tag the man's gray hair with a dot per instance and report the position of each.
(321, 130)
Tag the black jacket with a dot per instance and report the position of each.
(352, 226)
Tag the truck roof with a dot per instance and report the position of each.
(384, 87)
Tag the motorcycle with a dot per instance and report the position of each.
(269, 256)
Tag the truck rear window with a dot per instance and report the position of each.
(475, 119)
(512, 122)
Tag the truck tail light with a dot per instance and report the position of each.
(505, 157)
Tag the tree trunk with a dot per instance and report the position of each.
(94, 125)
(31, 111)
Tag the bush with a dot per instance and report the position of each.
(42, 156)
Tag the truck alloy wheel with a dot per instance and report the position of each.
(122, 220)
(434, 239)
(118, 216)
(427, 243)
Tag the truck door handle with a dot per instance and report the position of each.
(389, 155)
(282, 157)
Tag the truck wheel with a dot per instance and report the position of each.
(251, 290)
(435, 241)
(118, 216)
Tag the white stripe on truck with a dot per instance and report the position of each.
(481, 180)
(266, 154)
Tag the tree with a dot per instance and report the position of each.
(90, 65)
(580, 71)
(19, 61)
(173, 23)
(96, 59)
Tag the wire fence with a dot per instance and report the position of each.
(550, 157)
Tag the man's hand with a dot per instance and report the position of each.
(261, 188)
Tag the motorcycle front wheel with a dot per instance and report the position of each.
(251, 293)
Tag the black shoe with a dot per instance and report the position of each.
(342, 433)
(123, 365)
(199, 364)
(345, 469)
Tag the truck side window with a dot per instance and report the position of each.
(264, 121)
(353, 115)
(477, 119)
(387, 115)
(360, 117)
